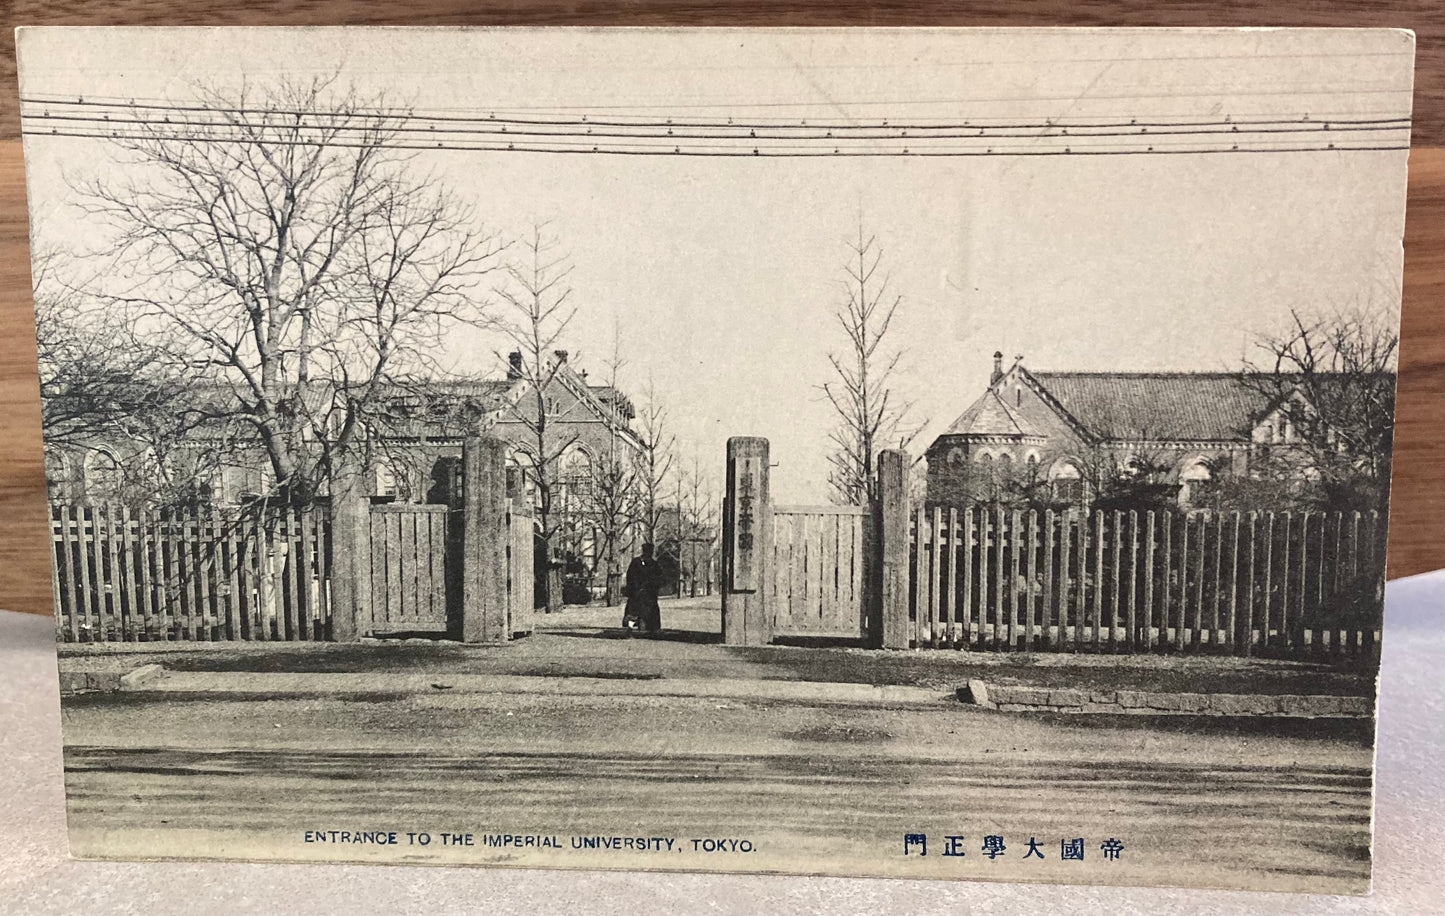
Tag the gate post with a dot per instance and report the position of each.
(350, 550)
(890, 582)
(484, 540)
(747, 544)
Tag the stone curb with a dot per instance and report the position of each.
(1135, 702)
(108, 681)
(261, 685)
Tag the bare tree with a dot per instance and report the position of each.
(869, 414)
(536, 311)
(296, 266)
(698, 525)
(654, 464)
(103, 388)
(612, 497)
(1332, 378)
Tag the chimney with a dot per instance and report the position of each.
(561, 355)
(514, 365)
(997, 368)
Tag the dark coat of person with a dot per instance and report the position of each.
(644, 578)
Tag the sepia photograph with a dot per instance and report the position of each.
(958, 454)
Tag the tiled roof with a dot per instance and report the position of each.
(1157, 405)
(990, 416)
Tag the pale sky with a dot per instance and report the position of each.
(722, 272)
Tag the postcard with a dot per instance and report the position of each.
(958, 454)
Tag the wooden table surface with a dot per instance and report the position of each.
(1417, 523)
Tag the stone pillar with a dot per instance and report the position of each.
(747, 544)
(891, 598)
(350, 549)
(484, 540)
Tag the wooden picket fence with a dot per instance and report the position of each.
(1294, 584)
(123, 574)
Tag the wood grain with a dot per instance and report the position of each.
(1418, 517)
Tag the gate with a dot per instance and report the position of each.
(816, 586)
(416, 568)
(413, 559)
(340, 570)
(521, 588)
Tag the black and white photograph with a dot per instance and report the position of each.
(958, 454)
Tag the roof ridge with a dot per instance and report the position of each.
(1163, 373)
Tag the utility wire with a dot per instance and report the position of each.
(148, 122)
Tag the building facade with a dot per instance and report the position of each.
(1064, 437)
(412, 456)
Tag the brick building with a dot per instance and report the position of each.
(1058, 434)
(413, 459)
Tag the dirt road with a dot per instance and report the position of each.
(1230, 804)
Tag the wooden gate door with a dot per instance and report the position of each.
(817, 571)
(521, 578)
(413, 559)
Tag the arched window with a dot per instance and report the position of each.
(1196, 470)
(103, 475)
(1067, 482)
(385, 479)
(574, 477)
(1195, 478)
(955, 455)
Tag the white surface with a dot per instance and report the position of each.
(37, 875)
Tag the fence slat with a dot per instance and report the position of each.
(1099, 547)
(951, 593)
(935, 577)
(1217, 597)
(1248, 641)
(1081, 581)
(129, 591)
(167, 576)
(114, 585)
(305, 572)
(1150, 638)
(1066, 539)
(97, 548)
(1303, 620)
(75, 625)
(967, 575)
(1131, 617)
(1117, 561)
(145, 536)
(188, 583)
(1031, 539)
(62, 624)
(201, 571)
(1047, 611)
(87, 575)
(222, 565)
(1231, 641)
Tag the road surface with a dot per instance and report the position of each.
(1264, 804)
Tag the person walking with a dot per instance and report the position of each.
(644, 577)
